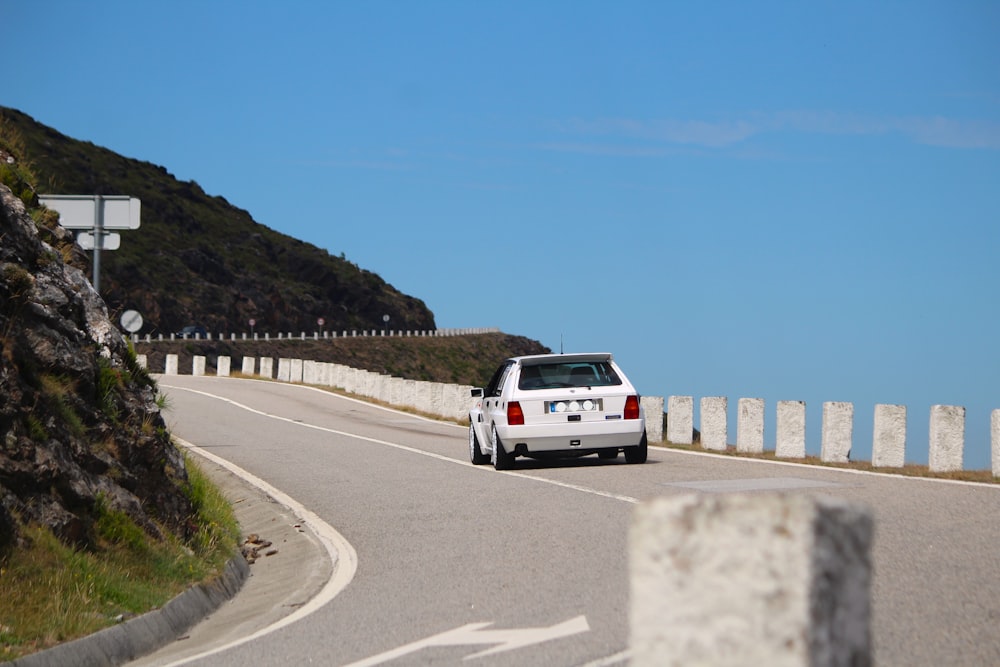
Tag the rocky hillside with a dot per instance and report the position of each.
(197, 259)
(80, 429)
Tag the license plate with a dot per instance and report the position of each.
(585, 405)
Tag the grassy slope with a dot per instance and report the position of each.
(53, 592)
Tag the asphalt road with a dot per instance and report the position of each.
(446, 547)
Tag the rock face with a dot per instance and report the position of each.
(80, 428)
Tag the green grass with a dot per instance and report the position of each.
(53, 592)
(109, 383)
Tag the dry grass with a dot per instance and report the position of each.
(908, 470)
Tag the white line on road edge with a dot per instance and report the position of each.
(342, 554)
(406, 448)
(659, 448)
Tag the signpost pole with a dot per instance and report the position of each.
(98, 240)
(109, 212)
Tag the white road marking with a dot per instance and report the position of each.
(406, 448)
(340, 551)
(474, 633)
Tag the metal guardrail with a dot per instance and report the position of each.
(317, 335)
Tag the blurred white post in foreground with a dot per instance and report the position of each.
(750, 580)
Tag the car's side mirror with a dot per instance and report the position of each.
(477, 392)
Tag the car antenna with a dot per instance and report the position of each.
(560, 344)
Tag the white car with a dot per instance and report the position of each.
(556, 405)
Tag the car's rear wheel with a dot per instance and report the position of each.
(636, 453)
(501, 459)
(476, 454)
(608, 454)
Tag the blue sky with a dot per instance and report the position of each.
(791, 201)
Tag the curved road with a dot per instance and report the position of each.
(529, 567)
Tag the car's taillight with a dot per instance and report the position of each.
(515, 416)
(632, 407)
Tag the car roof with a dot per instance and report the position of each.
(539, 359)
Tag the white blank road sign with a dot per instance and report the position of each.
(77, 211)
(112, 241)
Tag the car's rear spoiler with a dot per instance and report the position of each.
(565, 358)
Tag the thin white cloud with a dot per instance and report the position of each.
(931, 131)
(613, 150)
(376, 165)
(696, 132)
(950, 133)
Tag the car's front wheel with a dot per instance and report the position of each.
(501, 459)
(476, 454)
(636, 453)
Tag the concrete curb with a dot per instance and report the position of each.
(136, 637)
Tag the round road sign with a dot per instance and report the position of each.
(131, 321)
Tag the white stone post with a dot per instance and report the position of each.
(370, 384)
(295, 370)
(750, 425)
(790, 430)
(947, 438)
(350, 380)
(680, 419)
(714, 422)
(284, 369)
(170, 367)
(142, 361)
(431, 398)
(222, 366)
(446, 397)
(267, 367)
(838, 431)
(337, 375)
(770, 579)
(653, 407)
(995, 430)
(456, 401)
(889, 438)
(310, 373)
(409, 393)
(449, 402)
(395, 391)
(198, 365)
(426, 392)
(248, 365)
(382, 388)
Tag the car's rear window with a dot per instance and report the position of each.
(579, 374)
